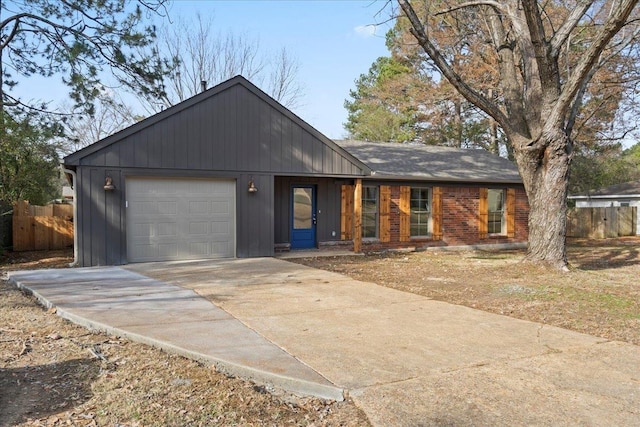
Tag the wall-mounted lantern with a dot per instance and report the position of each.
(108, 184)
(252, 187)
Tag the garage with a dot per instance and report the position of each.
(177, 219)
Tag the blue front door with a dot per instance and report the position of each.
(303, 216)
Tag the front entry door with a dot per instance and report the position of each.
(303, 216)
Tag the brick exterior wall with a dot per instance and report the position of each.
(460, 215)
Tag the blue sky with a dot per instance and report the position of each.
(331, 39)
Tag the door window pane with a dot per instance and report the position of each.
(302, 208)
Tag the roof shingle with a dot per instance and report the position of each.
(432, 163)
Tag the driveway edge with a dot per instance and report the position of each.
(257, 376)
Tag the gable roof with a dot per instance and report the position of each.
(154, 126)
(432, 163)
(631, 188)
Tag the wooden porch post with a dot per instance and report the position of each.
(357, 216)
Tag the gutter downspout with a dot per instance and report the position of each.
(75, 215)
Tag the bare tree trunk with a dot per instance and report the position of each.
(546, 175)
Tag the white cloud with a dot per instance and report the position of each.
(365, 30)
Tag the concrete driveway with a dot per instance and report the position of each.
(406, 360)
(409, 361)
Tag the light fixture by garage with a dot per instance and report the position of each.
(108, 184)
(252, 186)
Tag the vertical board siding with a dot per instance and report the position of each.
(114, 216)
(271, 141)
(111, 155)
(436, 213)
(511, 212)
(405, 213)
(255, 217)
(98, 218)
(346, 212)
(483, 213)
(282, 218)
(385, 210)
(153, 156)
(357, 216)
(233, 130)
(269, 150)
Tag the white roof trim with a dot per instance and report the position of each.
(619, 196)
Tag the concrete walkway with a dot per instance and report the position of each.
(173, 318)
(406, 360)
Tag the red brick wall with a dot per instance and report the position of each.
(460, 206)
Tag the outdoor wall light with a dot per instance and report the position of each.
(108, 184)
(252, 187)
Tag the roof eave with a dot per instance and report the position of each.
(605, 196)
(393, 177)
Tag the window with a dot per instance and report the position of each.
(624, 203)
(495, 202)
(420, 212)
(369, 212)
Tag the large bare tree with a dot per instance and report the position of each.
(546, 59)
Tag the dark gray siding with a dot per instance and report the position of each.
(254, 227)
(102, 214)
(235, 130)
(231, 131)
(101, 239)
(328, 199)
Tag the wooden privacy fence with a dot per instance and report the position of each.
(600, 223)
(37, 228)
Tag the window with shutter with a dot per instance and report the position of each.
(346, 213)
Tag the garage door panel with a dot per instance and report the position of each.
(199, 228)
(199, 208)
(166, 229)
(172, 219)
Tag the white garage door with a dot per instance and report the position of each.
(176, 219)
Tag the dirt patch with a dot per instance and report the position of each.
(54, 373)
(600, 296)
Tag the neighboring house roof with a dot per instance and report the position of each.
(432, 163)
(627, 189)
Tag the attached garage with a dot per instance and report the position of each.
(232, 173)
(176, 219)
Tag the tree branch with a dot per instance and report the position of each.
(547, 68)
(493, 4)
(561, 36)
(577, 102)
(454, 78)
(588, 60)
(13, 32)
